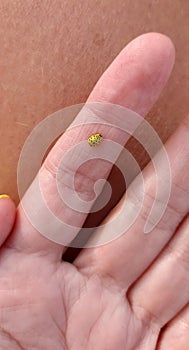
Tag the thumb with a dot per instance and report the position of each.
(7, 217)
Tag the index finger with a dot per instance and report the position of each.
(134, 80)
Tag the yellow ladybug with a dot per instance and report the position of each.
(94, 140)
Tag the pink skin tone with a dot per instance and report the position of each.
(102, 301)
(7, 218)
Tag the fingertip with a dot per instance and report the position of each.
(154, 51)
(160, 45)
(7, 216)
(154, 37)
(138, 74)
(7, 202)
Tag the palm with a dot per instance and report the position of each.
(48, 305)
(53, 306)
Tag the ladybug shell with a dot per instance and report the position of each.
(94, 140)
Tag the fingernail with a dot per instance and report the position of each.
(4, 196)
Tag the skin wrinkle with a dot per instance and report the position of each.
(163, 224)
(96, 281)
(180, 253)
(144, 315)
(14, 340)
(174, 332)
(184, 323)
(92, 327)
(61, 332)
(25, 334)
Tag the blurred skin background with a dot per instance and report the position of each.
(53, 52)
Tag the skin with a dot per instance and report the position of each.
(7, 215)
(101, 301)
(66, 305)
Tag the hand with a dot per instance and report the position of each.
(129, 293)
